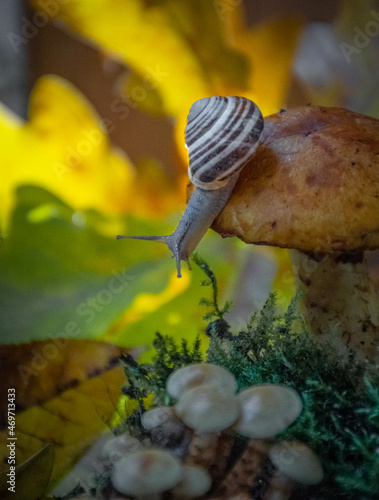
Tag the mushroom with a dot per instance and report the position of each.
(211, 451)
(295, 463)
(165, 429)
(195, 482)
(208, 408)
(118, 446)
(210, 412)
(197, 374)
(267, 410)
(157, 417)
(312, 185)
(146, 472)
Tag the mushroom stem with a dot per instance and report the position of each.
(211, 451)
(280, 488)
(246, 472)
(339, 298)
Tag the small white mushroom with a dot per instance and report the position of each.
(165, 428)
(267, 410)
(297, 462)
(157, 416)
(208, 408)
(195, 482)
(118, 446)
(146, 472)
(198, 374)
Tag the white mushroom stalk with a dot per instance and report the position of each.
(338, 297)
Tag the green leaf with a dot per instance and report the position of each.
(63, 279)
(61, 276)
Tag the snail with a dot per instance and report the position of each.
(221, 134)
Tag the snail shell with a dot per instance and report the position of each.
(221, 135)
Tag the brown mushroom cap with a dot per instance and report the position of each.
(312, 184)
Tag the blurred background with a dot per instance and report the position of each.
(94, 96)
(334, 60)
(94, 101)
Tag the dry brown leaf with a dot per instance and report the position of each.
(71, 419)
(41, 370)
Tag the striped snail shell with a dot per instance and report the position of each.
(221, 135)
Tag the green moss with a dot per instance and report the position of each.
(216, 312)
(340, 417)
(150, 379)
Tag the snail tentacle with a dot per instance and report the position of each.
(198, 216)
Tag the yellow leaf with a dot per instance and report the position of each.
(64, 149)
(144, 39)
(154, 194)
(178, 51)
(146, 303)
(184, 51)
(41, 370)
(269, 48)
(30, 478)
(71, 419)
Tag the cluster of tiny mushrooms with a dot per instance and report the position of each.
(306, 179)
(211, 413)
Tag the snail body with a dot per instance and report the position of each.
(221, 135)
